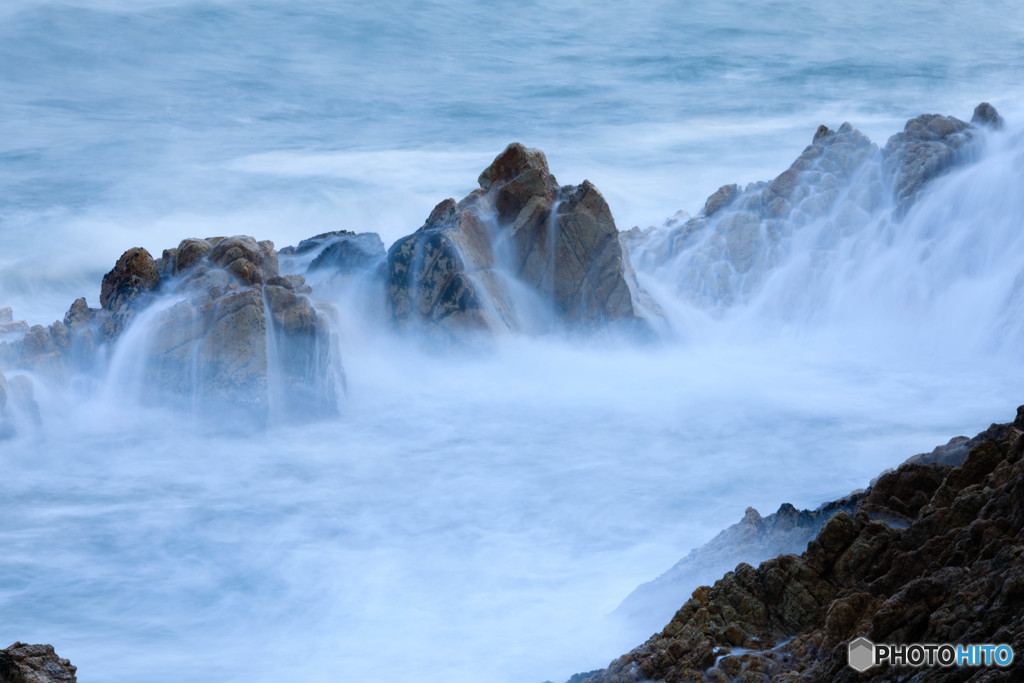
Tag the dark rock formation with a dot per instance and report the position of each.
(565, 243)
(134, 274)
(954, 574)
(722, 197)
(235, 321)
(347, 252)
(986, 115)
(755, 539)
(216, 324)
(751, 540)
(21, 663)
(442, 277)
(561, 242)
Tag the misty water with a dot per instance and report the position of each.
(475, 513)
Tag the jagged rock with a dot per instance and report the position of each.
(126, 289)
(565, 243)
(516, 160)
(442, 276)
(752, 540)
(134, 274)
(721, 198)
(723, 256)
(21, 663)
(561, 242)
(928, 146)
(895, 500)
(220, 329)
(953, 574)
(218, 344)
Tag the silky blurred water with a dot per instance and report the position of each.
(471, 516)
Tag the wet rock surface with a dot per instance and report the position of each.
(953, 574)
(21, 663)
(927, 147)
(751, 540)
(442, 279)
(340, 251)
(211, 322)
(561, 242)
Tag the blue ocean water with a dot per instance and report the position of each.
(464, 518)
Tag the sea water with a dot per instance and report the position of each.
(475, 515)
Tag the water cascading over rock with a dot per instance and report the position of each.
(211, 325)
(466, 267)
(841, 188)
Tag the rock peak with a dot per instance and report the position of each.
(515, 160)
(986, 115)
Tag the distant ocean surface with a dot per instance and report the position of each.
(465, 519)
(137, 122)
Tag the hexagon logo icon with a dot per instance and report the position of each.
(861, 653)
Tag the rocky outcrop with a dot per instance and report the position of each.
(341, 251)
(928, 146)
(442, 278)
(347, 252)
(239, 335)
(840, 184)
(755, 538)
(561, 243)
(952, 574)
(212, 322)
(986, 115)
(21, 663)
(725, 253)
(564, 241)
(125, 288)
(751, 540)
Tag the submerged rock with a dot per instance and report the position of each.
(951, 574)
(21, 663)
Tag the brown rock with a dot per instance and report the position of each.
(953, 575)
(442, 276)
(134, 274)
(514, 161)
(721, 198)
